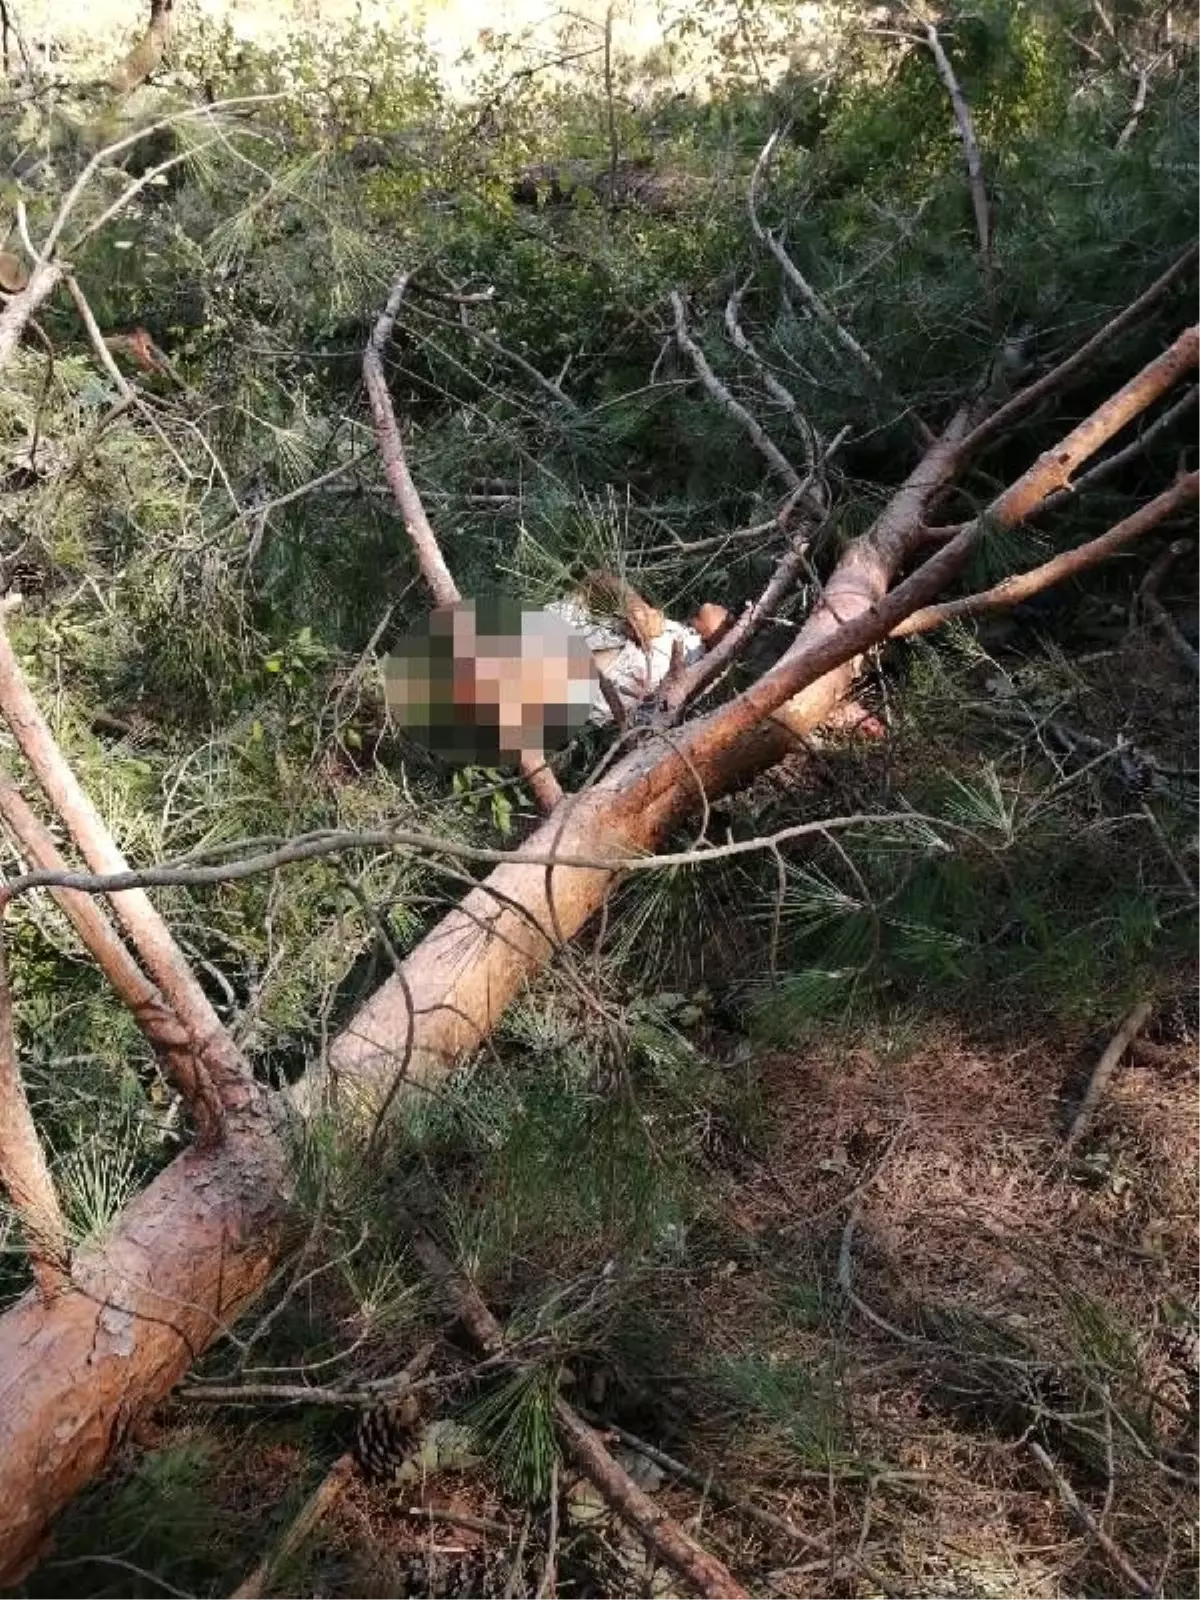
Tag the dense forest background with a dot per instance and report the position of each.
(778, 1169)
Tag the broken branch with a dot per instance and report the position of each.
(664, 1536)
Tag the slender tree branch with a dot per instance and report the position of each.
(664, 1536)
(1023, 586)
(318, 1505)
(147, 931)
(22, 307)
(1139, 105)
(974, 161)
(166, 1035)
(1104, 1541)
(811, 658)
(23, 1168)
(317, 846)
(777, 390)
(1104, 469)
(734, 641)
(1147, 599)
(1105, 1067)
(792, 274)
(442, 587)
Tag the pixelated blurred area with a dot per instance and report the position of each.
(490, 680)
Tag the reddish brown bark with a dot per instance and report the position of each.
(1024, 585)
(190, 1252)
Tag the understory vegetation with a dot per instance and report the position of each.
(773, 1169)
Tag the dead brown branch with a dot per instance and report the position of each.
(24, 1172)
(1023, 586)
(1113, 1552)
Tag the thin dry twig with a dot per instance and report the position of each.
(734, 642)
(1104, 1541)
(547, 1584)
(315, 846)
(778, 390)
(1105, 1067)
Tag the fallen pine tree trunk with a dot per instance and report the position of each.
(197, 1246)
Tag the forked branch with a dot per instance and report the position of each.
(231, 1080)
(1023, 586)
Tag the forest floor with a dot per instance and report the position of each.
(1004, 1289)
